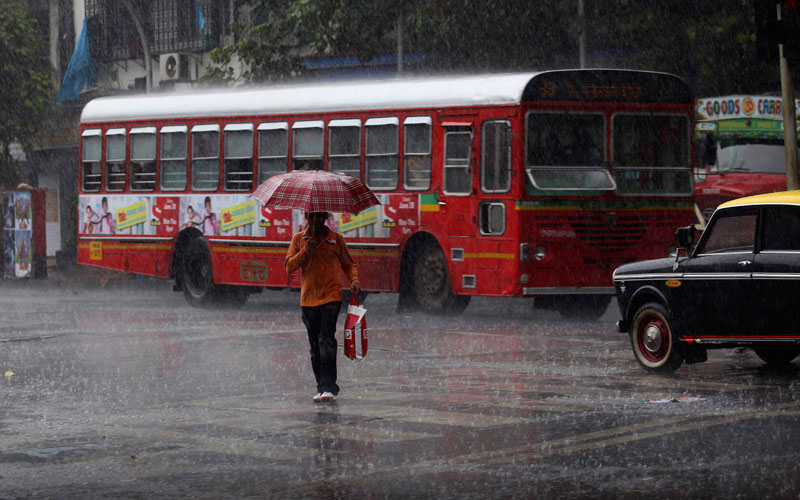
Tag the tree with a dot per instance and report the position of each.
(710, 43)
(26, 86)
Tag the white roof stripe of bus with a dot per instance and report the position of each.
(413, 120)
(143, 130)
(91, 132)
(345, 123)
(273, 126)
(239, 126)
(309, 124)
(115, 131)
(474, 90)
(388, 120)
(174, 129)
(207, 127)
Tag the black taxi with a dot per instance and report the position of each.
(738, 286)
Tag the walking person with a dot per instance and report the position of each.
(320, 253)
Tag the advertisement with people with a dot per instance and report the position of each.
(17, 234)
(234, 216)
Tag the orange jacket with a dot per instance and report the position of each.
(320, 282)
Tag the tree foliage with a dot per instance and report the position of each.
(25, 84)
(710, 43)
(26, 87)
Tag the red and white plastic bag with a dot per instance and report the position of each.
(355, 331)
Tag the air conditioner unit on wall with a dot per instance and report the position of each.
(176, 66)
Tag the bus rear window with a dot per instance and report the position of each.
(651, 154)
(92, 148)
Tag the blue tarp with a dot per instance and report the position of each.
(80, 72)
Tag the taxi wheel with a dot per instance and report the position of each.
(654, 344)
(197, 273)
(777, 354)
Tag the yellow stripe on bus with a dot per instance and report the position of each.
(489, 255)
(429, 208)
(130, 246)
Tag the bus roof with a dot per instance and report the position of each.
(438, 92)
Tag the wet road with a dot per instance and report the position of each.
(125, 391)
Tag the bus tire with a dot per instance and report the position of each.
(197, 274)
(431, 280)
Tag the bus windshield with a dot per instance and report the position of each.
(565, 151)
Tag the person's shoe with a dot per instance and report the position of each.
(327, 397)
(317, 397)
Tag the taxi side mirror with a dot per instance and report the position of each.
(685, 236)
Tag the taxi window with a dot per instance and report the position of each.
(734, 232)
(781, 228)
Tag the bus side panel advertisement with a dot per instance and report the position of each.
(235, 216)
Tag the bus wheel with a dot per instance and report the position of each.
(197, 273)
(585, 307)
(458, 303)
(431, 280)
(653, 342)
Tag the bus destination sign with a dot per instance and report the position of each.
(607, 86)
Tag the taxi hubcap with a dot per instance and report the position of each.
(653, 338)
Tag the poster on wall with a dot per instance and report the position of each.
(17, 235)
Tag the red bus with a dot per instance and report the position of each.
(535, 185)
(740, 150)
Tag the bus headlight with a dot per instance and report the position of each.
(524, 252)
(540, 252)
(524, 278)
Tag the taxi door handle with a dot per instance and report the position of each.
(743, 263)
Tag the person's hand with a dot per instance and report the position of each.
(355, 288)
(311, 245)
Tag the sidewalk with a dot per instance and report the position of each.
(79, 276)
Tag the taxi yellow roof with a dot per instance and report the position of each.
(781, 197)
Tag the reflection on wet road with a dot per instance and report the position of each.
(127, 392)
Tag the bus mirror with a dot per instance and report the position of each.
(685, 236)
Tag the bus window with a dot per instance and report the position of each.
(174, 141)
(344, 147)
(457, 150)
(381, 167)
(492, 218)
(115, 159)
(308, 139)
(566, 151)
(91, 159)
(651, 154)
(205, 157)
(273, 149)
(496, 156)
(239, 157)
(417, 152)
(143, 159)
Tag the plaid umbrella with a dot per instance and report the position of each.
(315, 191)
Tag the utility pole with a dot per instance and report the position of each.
(400, 43)
(789, 120)
(582, 36)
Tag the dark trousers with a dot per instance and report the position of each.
(320, 322)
